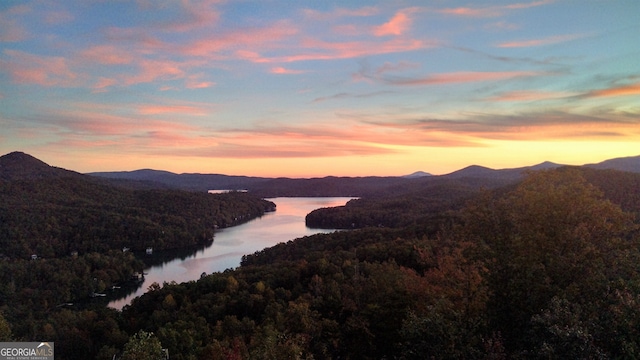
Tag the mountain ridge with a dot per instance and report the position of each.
(18, 165)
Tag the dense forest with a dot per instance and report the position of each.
(546, 267)
(65, 236)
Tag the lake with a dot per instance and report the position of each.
(230, 244)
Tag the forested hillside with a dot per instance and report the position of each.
(51, 212)
(62, 234)
(397, 207)
(547, 268)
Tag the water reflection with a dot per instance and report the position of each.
(230, 244)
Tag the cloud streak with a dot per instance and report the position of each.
(541, 42)
(397, 25)
(461, 77)
(26, 68)
(491, 11)
(622, 90)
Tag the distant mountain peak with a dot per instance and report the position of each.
(417, 174)
(545, 165)
(20, 166)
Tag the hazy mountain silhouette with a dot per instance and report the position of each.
(474, 175)
(417, 174)
(476, 171)
(629, 164)
(18, 165)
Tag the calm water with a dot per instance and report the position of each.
(286, 223)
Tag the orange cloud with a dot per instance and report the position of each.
(531, 95)
(625, 90)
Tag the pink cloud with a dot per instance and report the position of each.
(103, 83)
(461, 77)
(313, 49)
(98, 122)
(152, 70)
(107, 55)
(26, 68)
(491, 11)
(398, 24)
(192, 110)
(240, 40)
(195, 81)
(471, 12)
(192, 84)
(285, 71)
(540, 42)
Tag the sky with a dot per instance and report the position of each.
(317, 88)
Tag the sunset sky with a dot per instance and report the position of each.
(316, 88)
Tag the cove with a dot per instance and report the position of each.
(230, 244)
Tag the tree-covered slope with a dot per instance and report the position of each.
(545, 269)
(62, 236)
(54, 214)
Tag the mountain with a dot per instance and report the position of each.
(545, 166)
(630, 164)
(51, 211)
(417, 174)
(186, 181)
(475, 171)
(20, 166)
(474, 175)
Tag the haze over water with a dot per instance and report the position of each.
(230, 244)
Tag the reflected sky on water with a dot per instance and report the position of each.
(230, 244)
